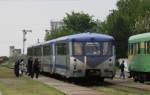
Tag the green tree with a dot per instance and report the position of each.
(142, 24)
(119, 29)
(62, 31)
(121, 22)
(47, 35)
(74, 23)
(79, 22)
(100, 27)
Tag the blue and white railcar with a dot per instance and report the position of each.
(79, 55)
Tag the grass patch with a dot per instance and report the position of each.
(10, 85)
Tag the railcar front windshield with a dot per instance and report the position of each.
(93, 48)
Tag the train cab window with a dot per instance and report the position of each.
(47, 50)
(92, 48)
(107, 48)
(78, 46)
(61, 49)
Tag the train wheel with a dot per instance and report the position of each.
(101, 79)
(135, 78)
(141, 78)
(141, 81)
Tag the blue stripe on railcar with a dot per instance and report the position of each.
(93, 61)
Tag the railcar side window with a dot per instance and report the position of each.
(134, 48)
(138, 47)
(129, 48)
(37, 51)
(33, 51)
(29, 51)
(148, 47)
(145, 47)
(61, 48)
(78, 48)
(47, 50)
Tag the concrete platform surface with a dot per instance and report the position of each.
(68, 88)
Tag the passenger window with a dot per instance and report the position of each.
(78, 48)
(145, 47)
(139, 47)
(148, 47)
(135, 48)
(29, 51)
(47, 50)
(129, 48)
(38, 51)
(61, 49)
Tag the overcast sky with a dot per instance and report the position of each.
(16, 15)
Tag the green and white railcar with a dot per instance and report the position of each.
(139, 56)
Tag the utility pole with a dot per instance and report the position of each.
(24, 37)
(38, 40)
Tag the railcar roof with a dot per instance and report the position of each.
(140, 37)
(85, 37)
(36, 45)
(81, 37)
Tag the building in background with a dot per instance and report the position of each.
(55, 25)
(11, 50)
(14, 52)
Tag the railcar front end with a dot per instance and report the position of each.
(92, 59)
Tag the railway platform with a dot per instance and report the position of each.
(67, 88)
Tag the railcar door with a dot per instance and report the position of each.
(47, 61)
(77, 64)
(61, 58)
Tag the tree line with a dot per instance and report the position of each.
(129, 18)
